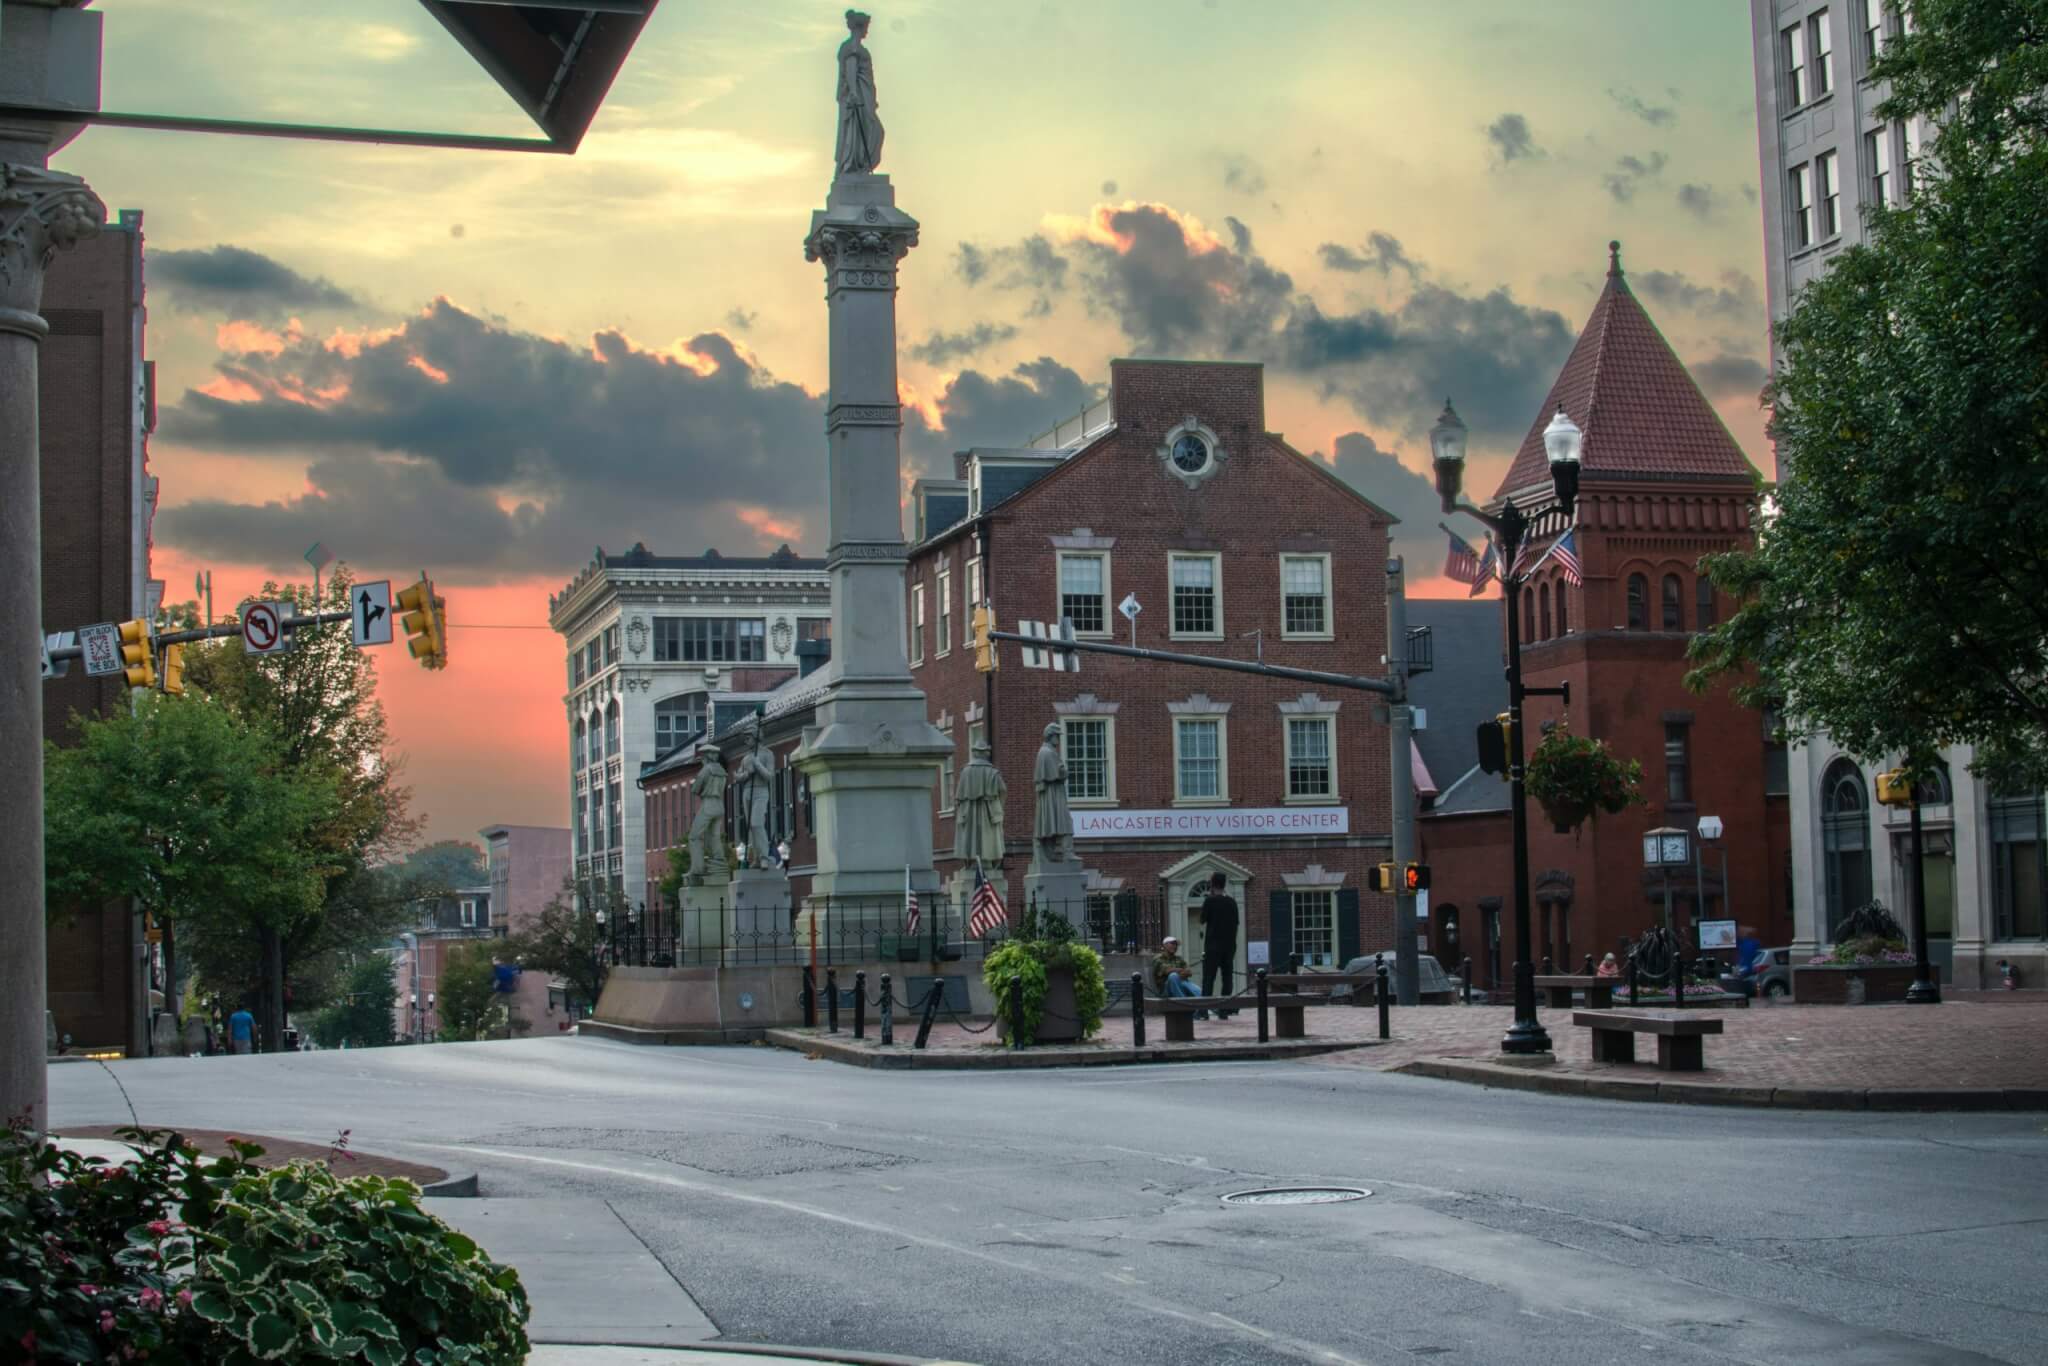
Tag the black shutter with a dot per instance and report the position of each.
(1347, 925)
(1280, 932)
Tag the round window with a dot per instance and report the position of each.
(1191, 454)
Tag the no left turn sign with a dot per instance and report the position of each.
(263, 628)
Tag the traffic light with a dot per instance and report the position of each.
(984, 649)
(174, 670)
(138, 654)
(1494, 743)
(1415, 878)
(1894, 788)
(425, 620)
(1380, 877)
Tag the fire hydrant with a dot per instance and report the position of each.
(2008, 977)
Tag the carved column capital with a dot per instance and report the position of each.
(40, 211)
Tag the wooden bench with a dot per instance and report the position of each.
(1678, 1035)
(1179, 1013)
(1557, 990)
(1323, 986)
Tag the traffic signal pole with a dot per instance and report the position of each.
(1401, 768)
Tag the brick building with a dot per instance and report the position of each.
(98, 406)
(1663, 483)
(529, 867)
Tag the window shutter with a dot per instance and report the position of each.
(1280, 933)
(1347, 925)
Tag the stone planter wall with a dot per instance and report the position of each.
(1846, 985)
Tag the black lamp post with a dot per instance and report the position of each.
(639, 941)
(1510, 526)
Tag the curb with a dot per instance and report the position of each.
(904, 1058)
(664, 1037)
(452, 1188)
(769, 1350)
(1924, 1098)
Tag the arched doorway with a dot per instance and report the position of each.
(1186, 883)
(1845, 840)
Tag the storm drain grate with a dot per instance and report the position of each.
(1297, 1195)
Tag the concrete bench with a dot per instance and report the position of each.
(1557, 990)
(1179, 1014)
(1678, 1032)
(1323, 986)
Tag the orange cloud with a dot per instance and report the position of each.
(351, 344)
(1099, 226)
(229, 389)
(239, 337)
(428, 368)
(770, 529)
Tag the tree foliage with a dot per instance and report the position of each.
(467, 1000)
(567, 944)
(363, 1015)
(1895, 598)
(442, 867)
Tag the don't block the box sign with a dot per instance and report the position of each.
(1219, 823)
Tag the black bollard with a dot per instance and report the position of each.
(1633, 972)
(860, 1005)
(832, 1000)
(1678, 979)
(1465, 977)
(931, 1011)
(1294, 962)
(1261, 987)
(1548, 969)
(1137, 1010)
(810, 998)
(888, 1014)
(1379, 988)
(1589, 969)
(1017, 1012)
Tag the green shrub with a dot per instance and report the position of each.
(203, 1260)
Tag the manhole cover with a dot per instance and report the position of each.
(1297, 1195)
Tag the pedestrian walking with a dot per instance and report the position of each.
(242, 1031)
(1219, 941)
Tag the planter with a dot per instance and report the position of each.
(1060, 1021)
(1566, 817)
(1849, 984)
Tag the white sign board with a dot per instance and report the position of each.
(1717, 934)
(102, 648)
(263, 628)
(1129, 607)
(1422, 904)
(1228, 822)
(372, 620)
(1258, 953)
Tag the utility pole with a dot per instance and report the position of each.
(1401, 769)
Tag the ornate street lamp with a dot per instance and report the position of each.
(1562, 442)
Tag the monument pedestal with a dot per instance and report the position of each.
(1059, 889)
(759, 924)
(707, 910)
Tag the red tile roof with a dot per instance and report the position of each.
(1640, 410)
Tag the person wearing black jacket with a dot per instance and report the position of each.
(1219, 940)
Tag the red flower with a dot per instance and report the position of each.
(88, 1288)
(106, 1320)
(151, 1298)
(185, 1299)
(160, 1227)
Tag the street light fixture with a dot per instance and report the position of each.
(1562, 443)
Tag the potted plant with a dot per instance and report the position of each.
(1868, 963)
(1048, 986)
(1573, 777)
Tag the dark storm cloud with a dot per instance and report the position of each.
(1630, 172)
(1177, 296)
(1656, 115)
(1240, 236)
(1511, 139)
(246, 283)
(944, 348)
(984, 410)
(1383, 253)
(1698, 200)
(1033, 265)
(1380, 475)
(1735, 296)
(1727, 376)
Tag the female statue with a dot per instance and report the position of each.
(860, 130)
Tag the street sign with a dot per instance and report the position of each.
(102, 644)
(1129, 607)
(372, 620)
(263, 628)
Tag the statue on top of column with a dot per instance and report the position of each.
(860, 129)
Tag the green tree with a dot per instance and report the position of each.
(364, 1016)
(468, 1001)
(1895, 596)
(567, 944)
(441, 867)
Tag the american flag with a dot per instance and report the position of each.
(911, 914)
(1461, 561)
(987, 909)
(1489, 566)
(1567, 552)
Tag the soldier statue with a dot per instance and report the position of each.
(978, 810)
(1052, 828)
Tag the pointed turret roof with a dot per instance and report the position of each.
(1642, 414)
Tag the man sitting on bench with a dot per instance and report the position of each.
(1170, 973)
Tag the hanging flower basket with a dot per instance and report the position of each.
(1572, 777)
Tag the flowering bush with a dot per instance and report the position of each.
(1573, 777)
(1864, 953)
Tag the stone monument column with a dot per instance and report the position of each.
(873, 754)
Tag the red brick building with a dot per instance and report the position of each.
(1663, 483)
(98, 406)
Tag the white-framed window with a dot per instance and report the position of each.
(1830, 168)
(1201, 767)
(1792, 54)
(977, 734)
(1089, 744)
(1305, 597)
(1873, 31)
(1909, 180)
(946, 772)
(1823, 41)
(916, 624)
(1801, 205)
(975, 597)
(469, 913)
(945, 611)
(1311, 758)
(1315, 927)
(1197, 607)
(1084, 591)
(1877, 155)
(678, 720)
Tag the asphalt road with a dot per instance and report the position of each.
(1075, 1216)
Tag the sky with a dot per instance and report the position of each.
(485, 365)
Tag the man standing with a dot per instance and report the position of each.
(1219, 940)
(242, 1031)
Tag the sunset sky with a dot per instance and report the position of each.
(487, 364)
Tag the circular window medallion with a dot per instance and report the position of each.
(1191, 453)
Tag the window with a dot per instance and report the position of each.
(590, 661)
(1909, 179)
(1084, 593)
(575, 668)
(582, 823)
(1877, 154)
(668, 640)
(1528, 614)
(1195, 608)
(725, 640)
(611, 646)
(1674, 604)
(1638, 603)
(974, 594)
(1792, 52)
(1873, 30)
(917, 623)
(1563, 626)
(1703, 608)
(1304, 595)
(1543, 607)
(1845, 841)
(1830, 164)
(2019, 875)
(946, 778)
(1311, 770)
(1198, 759)
(1315, 927)
(677, 720)
(1090, 758)
(1823, 54)
(469, 913)
(814, 628)
(611, 728)
(613, 816)
(576, 746)
(945, 611)
(1678, 763)
(1801, 206)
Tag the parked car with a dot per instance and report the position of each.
(1438, 988)
(1774, 983)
